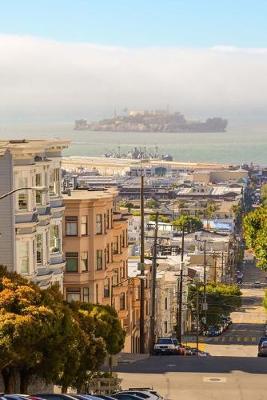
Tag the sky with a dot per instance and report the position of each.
(66, 59)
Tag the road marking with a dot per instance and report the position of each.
(171, 365)
(214, 379)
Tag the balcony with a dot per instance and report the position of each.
(28, 217)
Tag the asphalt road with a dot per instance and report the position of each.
(232, 371)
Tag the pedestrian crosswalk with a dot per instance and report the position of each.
(235, 339)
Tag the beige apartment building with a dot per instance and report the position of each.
(31, 219)
(96, 251)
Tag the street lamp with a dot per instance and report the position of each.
(37, 188)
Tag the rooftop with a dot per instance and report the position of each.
(25, 146)
(89, 195)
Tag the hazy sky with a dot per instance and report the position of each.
(65, 59)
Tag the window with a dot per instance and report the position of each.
(39, 253)
(115, 277)
(84, 226)
(99, 259)
(121, 243)
(147, 308)
(72, 262)
(165, 326)
(111, 218)
(108, 253)
(98, 224)
(24, 257)
(106, 288)
(55, 243)
(86, 294)
(105, 223)
(122, 301)
(166, 303)
(38, 198)
(38, 194)
(96, 293)
(23, 201)
(116, 245)
(73, 294)
(84, 261)
(108, 219)
(122, 272)
(71, 226)
(54, 182)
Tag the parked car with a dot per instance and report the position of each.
(141, 393)
(257, 284)
(147, 390)
(104, 397)
(262, 351)
(54, 396)
(84, 396)
(126, 396)
(166, 345)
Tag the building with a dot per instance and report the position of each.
(31, 219)
(96, 252)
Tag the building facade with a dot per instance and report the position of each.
(31, 218)
(96, 252)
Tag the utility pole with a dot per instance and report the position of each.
(180, 293)
(222, 262)
(205, 306)
(153, 287)
(197, 321)
(142, 272)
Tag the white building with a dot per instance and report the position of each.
(168, 275)
(31, 220)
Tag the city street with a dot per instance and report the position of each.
(232, 370)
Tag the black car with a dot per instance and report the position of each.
(262, 339)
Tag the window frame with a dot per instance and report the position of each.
(76, 258)
(69, 219)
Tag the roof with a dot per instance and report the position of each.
(30, 146)
(89, 195)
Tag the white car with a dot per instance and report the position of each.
(166, 345)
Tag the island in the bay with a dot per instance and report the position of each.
(152, 121)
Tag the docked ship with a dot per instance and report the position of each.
(152, 121)
(139, 153)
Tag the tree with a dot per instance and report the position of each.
(222, 299)
(188, 223)
(210, 210)
(43, 336)
(161, 218)
(152, 203)
(24, 322)
(264, 194)
(255, 234)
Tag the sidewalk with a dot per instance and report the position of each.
(129, 358)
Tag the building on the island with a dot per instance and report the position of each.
(31, 219)
(96, 251)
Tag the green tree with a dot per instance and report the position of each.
(152, 203)
(24, 322)
(222, 299)
(210, 210)
(255, 234)
(264, 194)
(188, 223)
(161, 218)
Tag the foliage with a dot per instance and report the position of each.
(127, 204)
(161, 218)
(210, 209)
(222, 299)
(188, 223)
(255, 234)
(264, 194)
(43, 336)
(136, 213)
(152, 203)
